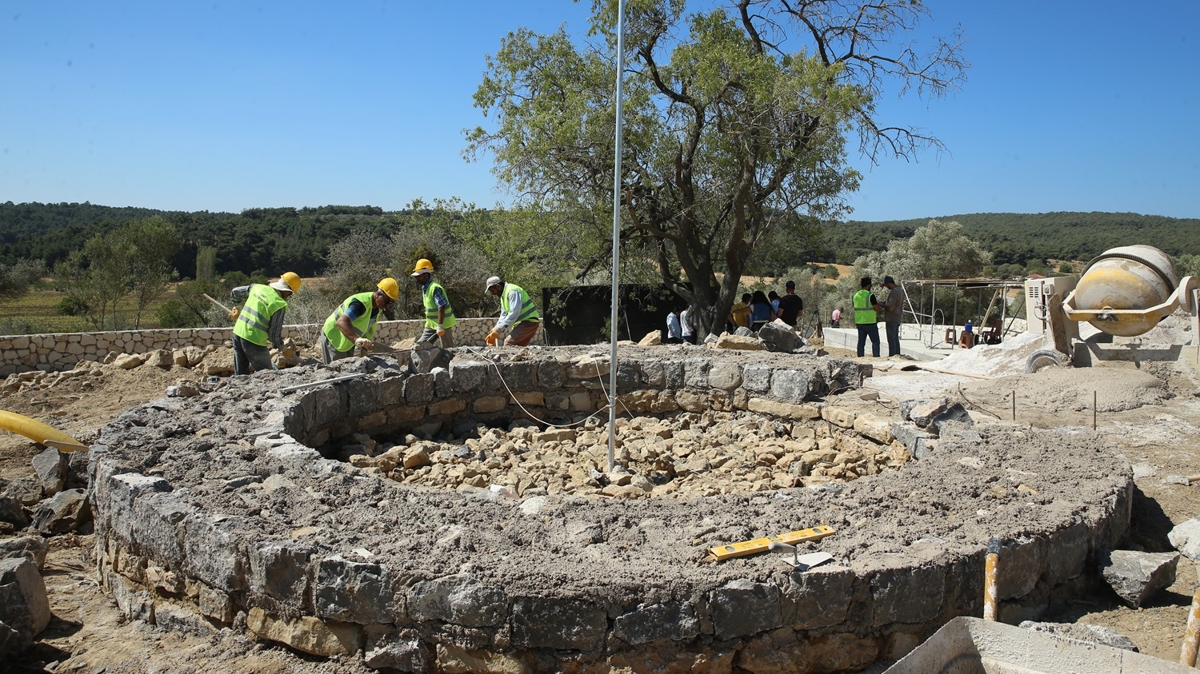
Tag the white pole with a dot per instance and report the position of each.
(616, 248)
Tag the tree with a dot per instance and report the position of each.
(151, 243)
(939, 250)
(736, 124)
(16, 278)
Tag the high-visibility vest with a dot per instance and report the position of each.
(254, 320)
(431, 307)
(529, 312)
(864, 313)
(363, 326)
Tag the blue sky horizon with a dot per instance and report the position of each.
(1068, 106)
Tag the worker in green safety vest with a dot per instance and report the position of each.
(439, 315)
(865, 318)
(517, 312)
(355, 321)
(259, 322)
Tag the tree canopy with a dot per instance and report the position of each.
(737, 119)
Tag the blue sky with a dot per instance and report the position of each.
(222, 106)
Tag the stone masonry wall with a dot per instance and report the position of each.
(60, 351)
(216, 511)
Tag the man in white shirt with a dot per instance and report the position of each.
(685, 323)
(517, 312)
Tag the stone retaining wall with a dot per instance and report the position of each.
(216, 511)
(60, 351)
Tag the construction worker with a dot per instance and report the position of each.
(355, 321)
(260, 321)
(439, 315)
(517, 312)
(865, 317)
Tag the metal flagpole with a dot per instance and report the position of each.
(616, 248)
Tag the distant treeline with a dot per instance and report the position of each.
(268, 240)
(1019, 238)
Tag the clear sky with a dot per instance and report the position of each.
(1070, 105)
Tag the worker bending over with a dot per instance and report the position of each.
(439, 315)
(354, 322)
(260, 321)
(517, 312)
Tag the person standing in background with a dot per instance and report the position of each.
(865, 317)
(893, 314)
(685, 324)
(674, 331)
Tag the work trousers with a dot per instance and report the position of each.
(249, 357)
(893, 338)
(522, 333)
(868, 331)
(330, 354)
(430, 335)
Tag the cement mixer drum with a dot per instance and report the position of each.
(1122, 282)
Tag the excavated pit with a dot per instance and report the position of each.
(233, 509)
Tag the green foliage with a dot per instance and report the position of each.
(19, 326)
(1066, 268)
(206, 263)
(175, 314)
(71, 306)
(830, 272)
(16, 278)
(939, 250)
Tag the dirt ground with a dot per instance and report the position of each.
(1161, 437)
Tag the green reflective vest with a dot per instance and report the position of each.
(363, 326)
(431, 307)
(864, 313)
(254, 320)
(529, 312)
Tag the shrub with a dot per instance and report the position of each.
(71, 306)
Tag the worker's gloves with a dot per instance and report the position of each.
(492, 338)
(441, 330)
(233, 315)
(364, 344)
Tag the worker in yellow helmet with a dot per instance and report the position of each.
(260, 321)
(439, 315)
(355, 321)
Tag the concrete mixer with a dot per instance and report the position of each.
(1124, 292)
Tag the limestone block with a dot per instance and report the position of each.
(740, 342)
(1021, 563)
(588, 367)
(160, 358)
(695, 372)
(307, 634)
(116, 497)
(691, 401)
(156, 527)
(529, 398)
(128, 361)
(907, 595)
(1137, 576)
(402, 650)
(24, 605)
(792, 385)
(75, 349)
(468, 375)
(418, 388)
(65, 511)
(556, 435)
(215, 551)
(219, 364)
(876, 428)
(783, 410)
(664, 402)
(581, 402)
(20, 342)
(741, 608)
(1185, 538)
(652, 373)
(756, 378)
(489, 404)
(51, 468)
(32, 548)
(453, 659)
(354, 592)
(725, 376)
(459, 599)
(818, 597)
(779, 337)
(216, 604)
(839, 416)
(652, 338)
(400, 415)
(672, 374)
(921, 411)
(671, 620)
(279, 570)
(550, 375)
(452, 406)
(1070, 546)
(565, 624)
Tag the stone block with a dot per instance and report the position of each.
(921, 411)
(12, 512)
(783, 410)
(1070, 545)
(418, 388)
(389, 391)
(529, 398)
(354, 592)
(279, 570)
(588, 367)
(690, 401)
(121, 492)
(489, 404)
(876, 428)
(725, 376)
(468, 376)
(564, 624)
(452, 406)
(845, 652)
(1137, 576)
(671, 620)
(442, 388)
(839, 416)
(907, 595)
(216, 604)
(32, 548)
(402, 650)
(360, 397)
(695, 373)
(779, 337)
(581, 402)
(460, 599)
(1021, 563)
(306, 634)
(912, 437)
(628, 378)
(1185, 537)
(954, 415)
(818, 597)
(326, 406)
(215, 551)
(743, 608)
(24, 606)
(652, 374)
(550, 375)
(740, 342)
(51, 469)
(792, 385)
(65, 511)
(672, 374)
(454, 659)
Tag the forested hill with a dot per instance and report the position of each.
(1021, 237)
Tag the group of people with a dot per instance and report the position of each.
(752, 312)
(867, 310)
(351, 326)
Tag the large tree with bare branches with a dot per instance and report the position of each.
(737, 120)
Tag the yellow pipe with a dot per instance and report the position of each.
(1187, 654)
(990, 593)
(38, 432)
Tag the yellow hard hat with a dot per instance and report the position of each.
(288, 281)
(390, 288)
(422, 267)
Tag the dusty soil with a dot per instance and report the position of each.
(1161, 437)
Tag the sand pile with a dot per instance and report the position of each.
(1060, 389)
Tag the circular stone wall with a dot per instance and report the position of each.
(218, 511)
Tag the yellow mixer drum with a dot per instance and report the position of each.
(1133, 278)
